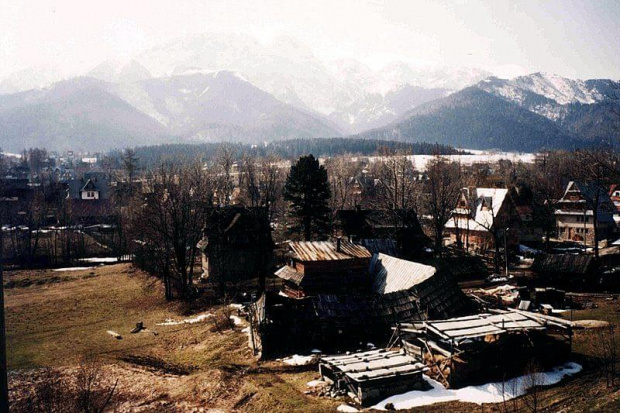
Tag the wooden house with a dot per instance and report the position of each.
(564, 269)
(325, 267)
(480, 213)
(237, 245)
(574, 215)
(400, 226)
(329, 309)
(436, 291)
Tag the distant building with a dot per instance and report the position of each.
(92, 186)
(89, 199)
(479, 213)
(574, 215)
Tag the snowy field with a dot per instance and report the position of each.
(421, 161)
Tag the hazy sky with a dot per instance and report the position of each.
(572, 38)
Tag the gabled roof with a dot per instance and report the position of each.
(390, 274)
(327, 251)
(587, 191)
(487, 202)
(289, 274)
(89, 186)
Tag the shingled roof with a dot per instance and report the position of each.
(563, 263)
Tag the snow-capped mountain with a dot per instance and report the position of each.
(220, 106)
(374, 110)
(429, 77)
(346, 91)
(118, 71)
(293, 74)
(583, 107)
(90, 114)
(30, 78)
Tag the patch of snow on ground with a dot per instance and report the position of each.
(486, 393)
(346, 408)
(236, 320)
(192, 320)
(73, 269)
(99, 260)
(297, 360)
(314, 383)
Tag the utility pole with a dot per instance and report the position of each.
(4, 373)
(506, 251)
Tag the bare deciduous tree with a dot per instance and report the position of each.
(170, 222)
(224, 163)
(443, 191)
(532, 380)
(398, 184)
(341, 173)
(262, 182)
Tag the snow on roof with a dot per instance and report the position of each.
(488, 203)
(392, 274)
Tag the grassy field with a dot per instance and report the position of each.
(55, 318)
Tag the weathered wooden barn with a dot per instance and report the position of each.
(237, 245)
(360, 302)
(487, 347)
(325, 267)
(373, 375)
(564, 269)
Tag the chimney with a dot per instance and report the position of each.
(338, 244)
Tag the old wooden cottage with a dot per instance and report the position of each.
(370, 226)
(336, 297)
(325, 267)
(237, 245)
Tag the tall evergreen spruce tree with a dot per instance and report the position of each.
(307, 190)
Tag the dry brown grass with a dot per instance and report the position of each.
(183, 368)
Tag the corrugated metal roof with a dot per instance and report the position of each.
(391, 274)
(328, 250)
